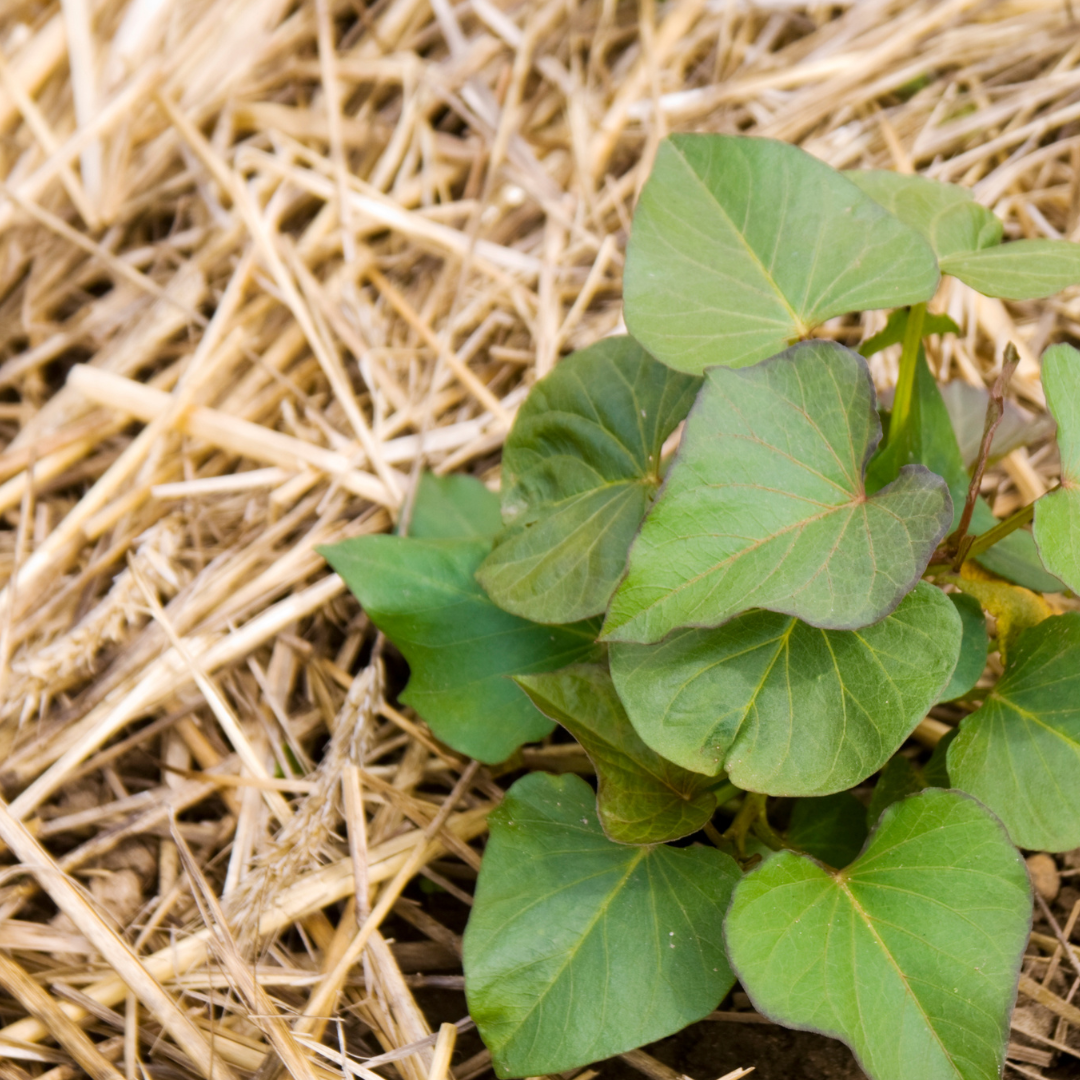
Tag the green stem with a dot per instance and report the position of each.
(766, 833)
(726, 792)
(985, 541)
(753, 807)
(716, 837)
(909, 362)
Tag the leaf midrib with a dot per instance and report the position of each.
(867, 920)
(600, 912)
(796, 320)
(781, 644)
(651, 770)
(1034, 718)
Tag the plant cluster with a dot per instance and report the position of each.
(767, 612)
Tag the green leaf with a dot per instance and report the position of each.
(899, 779)
(1015, 557)
(1057, 514)
(784, 708)
(1020, 270)
(896, 325)
(936, 772)
(928, 439)
(974, 646)
(946, 214)
(580, 469)
(742, 245)
(579, 948)
(911, 955)
(453, 508)
(459, 646)
(1020, 753)
(765, 506)
(966, 238)
(641, 797)
(832, 828)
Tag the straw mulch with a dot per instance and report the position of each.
(261, 261)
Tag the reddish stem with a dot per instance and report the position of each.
(960, 542)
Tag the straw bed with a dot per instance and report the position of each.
(262, 262)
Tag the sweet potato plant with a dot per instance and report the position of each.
(754, 624)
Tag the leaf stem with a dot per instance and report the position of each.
(909, 360)
(768, 834)
(716, 837)
(726, 792)
(995, 410)
(1016, 520)
(752, 808)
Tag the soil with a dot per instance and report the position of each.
(710, 1049)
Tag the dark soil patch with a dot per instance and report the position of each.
(711, 1049)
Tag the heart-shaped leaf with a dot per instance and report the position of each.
(641, 797)
(1057, 514)
(578, 948)
(785, 708)
(910, 955)
(832, 828)
(742, 245)
(1020, 753)
(580, 469)
(453, 507)
(974, 645)
(765, 506)
(946, 214)
(460, 647)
